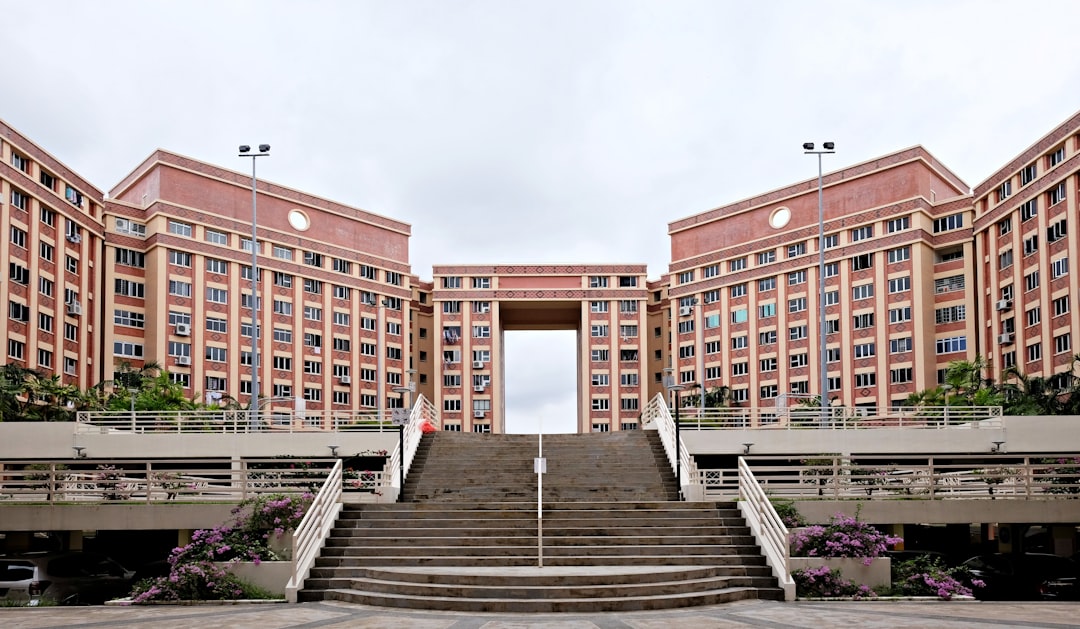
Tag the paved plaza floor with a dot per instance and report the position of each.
(767, 614)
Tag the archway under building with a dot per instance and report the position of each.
(539, 342)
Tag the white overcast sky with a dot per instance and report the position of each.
(541, 131)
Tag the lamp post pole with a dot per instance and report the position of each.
(245, 151)
(678, 441)
(827, 148)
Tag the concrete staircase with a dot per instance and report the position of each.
(613, 537)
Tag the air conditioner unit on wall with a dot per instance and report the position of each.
(183, 329)
(74, 309)
(345, 379)
(478, 364)
(183, 360)
(478, 388)
(1005, 339)
(478, 414)
(75, 238)
(686, 311)
(1004, 304)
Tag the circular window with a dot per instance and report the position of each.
(299, 220)
(779, 217)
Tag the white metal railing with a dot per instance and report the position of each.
(423, 413)
(656, 412)
(156, 480)
(840, 417)
(767, 528)
(310, 535)
(906, 477)
(233, 421)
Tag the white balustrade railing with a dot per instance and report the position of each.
(156, 480)
(656, 413)
(310, 535)
(234, 421)
(906, 477)
(840, 417)
(423, 414)
(767, 528)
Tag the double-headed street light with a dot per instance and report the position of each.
(808, 148)
(245, 151)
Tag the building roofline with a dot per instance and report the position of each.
(176, 160)
(889, 160)
(61, 169)
(1030, 153)
(540, 267)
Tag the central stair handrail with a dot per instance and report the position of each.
(767, 527)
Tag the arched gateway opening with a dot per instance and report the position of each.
(606, 305)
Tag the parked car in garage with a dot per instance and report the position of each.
(1028, 576)
(65, 578)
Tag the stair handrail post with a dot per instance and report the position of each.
(767, 527)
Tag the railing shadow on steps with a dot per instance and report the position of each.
(767, 527)
(310, 536)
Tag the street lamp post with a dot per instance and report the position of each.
(827, 148)
(245, 151)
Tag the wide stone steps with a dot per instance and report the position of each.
(614, 536)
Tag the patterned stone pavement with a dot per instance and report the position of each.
(767, 614)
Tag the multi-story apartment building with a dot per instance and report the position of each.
(52, 225)
(918, 272)
(745, 286)
(334, 293)
(1024, 214)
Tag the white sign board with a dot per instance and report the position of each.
(540, 465)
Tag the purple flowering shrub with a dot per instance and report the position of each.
(843, 536)
(926, 576)
(199, 580)
(192, 575)
(825, 582)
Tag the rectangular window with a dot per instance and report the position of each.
(1029, 209)
(951, 345)
(796, 277)
(900, 315)
(766, 310)
(740, 369)
(832, 241)
(628, 306)
(599, 355)
(865, 380)
(1056, 195)
(946, 223)
(949, 284)
(1062, 343)
(832, 269)
(766, 257)
(799, 360)
(1004, 190)
(124, 348)
(767, 338)
(600, 380)
(600, 404)
(598, 331)
(898, 224)
(216, 354)
(282, 335)
(1059, 267)
(1061, 305)
(863, 291)
(217, 295)
(1031, 281)
(311, 313)
(180, 229)
(832, 326)
(685, 277)
(451, 282)
(768, 391)
(1031, 245)
(1033, 316)
(1005, 259)
(738, 290)
(740, 315)
(1034, 352)
(797, 332)
(862, 233)
(451, 307)
(797, 305)
(481, 307)
(1056, 157)
(626, 281)
(598, 306)
(1004, 226)
(862, 262)
(767, 364)
(598, 281)
(481, 282)
(129, 318)
(1057, 231)
(313, 286)
(216, 237)
(899, 254)
(282, 307)
(127, 257)
(798, 249)
(864, 350)
(710, 271)
(180, 258)
(180, 289)
(739, 342)
(900, 284)
(950, 314)
(900, 346)
(1028, 174)
(737, 264)
(767, 284)
(313, 259)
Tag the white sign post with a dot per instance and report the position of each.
(540, 467)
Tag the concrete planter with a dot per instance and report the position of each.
(878, 573)
(271, 576)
